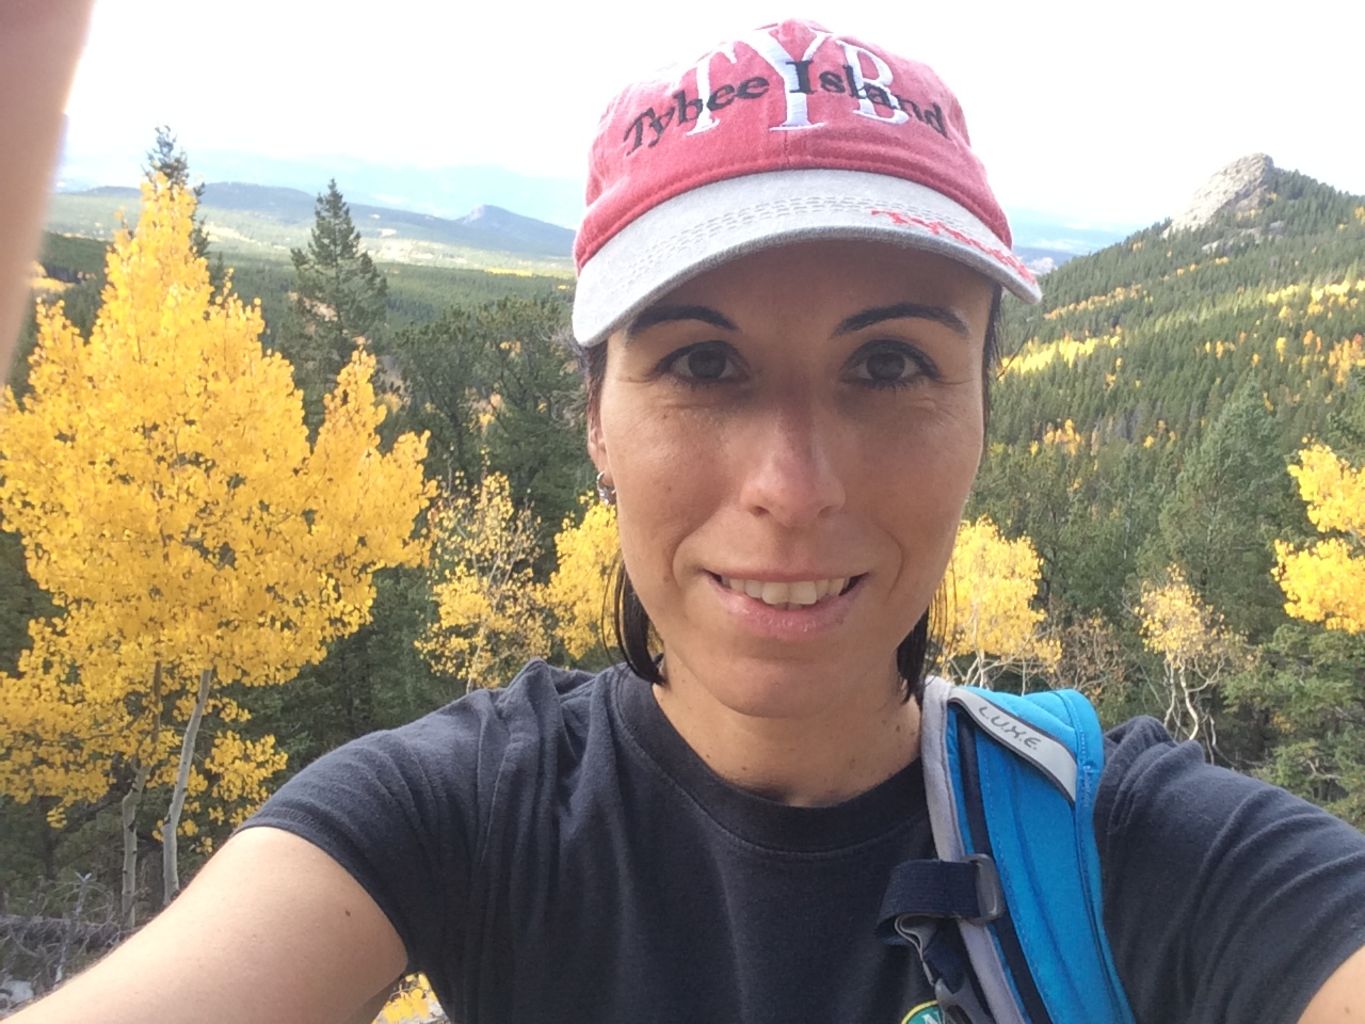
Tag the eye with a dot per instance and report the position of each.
(707, 363)
(889, 364)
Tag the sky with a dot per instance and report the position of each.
(1097, 115)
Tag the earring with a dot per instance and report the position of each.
(606, 493)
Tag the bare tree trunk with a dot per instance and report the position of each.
(170, 846)
(1168, 719)
(1195, 717)
(128, 816)
(128, 826)
(49, 838)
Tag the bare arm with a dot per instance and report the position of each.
(1342, 997)
(272, 929)
(39, 43)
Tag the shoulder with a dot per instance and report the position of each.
(478, 734)
(1199, 864)
(443, 772)
(1141, 759)
(1163, 796)
(1152, 781)
(410, 812)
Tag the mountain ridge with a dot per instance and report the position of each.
(270, 220)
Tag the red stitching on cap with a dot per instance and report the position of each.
(937, 227)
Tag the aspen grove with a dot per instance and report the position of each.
(193, 542)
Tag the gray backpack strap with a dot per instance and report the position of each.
(939, 786)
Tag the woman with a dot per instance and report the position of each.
(790, 272)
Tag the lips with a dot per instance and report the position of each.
(788, 595)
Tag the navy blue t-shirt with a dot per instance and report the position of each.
(555, 852)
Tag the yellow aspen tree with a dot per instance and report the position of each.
(586, 553)
(162, 481)
(1197, 653)
(1325, 581)
(490, 618)
(992, 586)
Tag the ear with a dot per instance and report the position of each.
(597, 447)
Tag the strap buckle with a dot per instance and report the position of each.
(990, 898)
(990, 901)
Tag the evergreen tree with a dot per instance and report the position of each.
(340, 300)
(496, 386)
(1229, 501)
(167, 158)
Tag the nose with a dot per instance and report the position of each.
(793, 469)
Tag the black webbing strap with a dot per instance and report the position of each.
(968, 890)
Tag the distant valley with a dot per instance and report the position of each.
(266, 222)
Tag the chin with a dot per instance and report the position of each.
(778, 688)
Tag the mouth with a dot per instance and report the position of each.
(793, 595)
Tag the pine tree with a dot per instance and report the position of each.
(1230, 498)
(168, 159)
(339, 302)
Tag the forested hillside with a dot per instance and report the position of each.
(1146, 434)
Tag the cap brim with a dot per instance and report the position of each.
(715, 223)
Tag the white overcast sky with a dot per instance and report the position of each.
(1096, 113)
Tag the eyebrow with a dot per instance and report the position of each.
(655, 315)
(902, 310)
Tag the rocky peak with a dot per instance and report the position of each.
(1243, 186)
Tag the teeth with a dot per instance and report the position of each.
(775, 593)
(789, 596)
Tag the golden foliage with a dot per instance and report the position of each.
(1305, 300)
(489, 613)
(993, 582)
(40, 282)
(1119, 294)
(1344, 357)
(577, 591)
(1325, 581)
(1035, 356)
(412, 1003)
(1064, 437)
(1344, 294)
(1175, 621)
(161, 478)
(1196, 649)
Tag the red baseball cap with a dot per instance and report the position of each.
(788, 133)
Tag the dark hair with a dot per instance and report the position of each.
(630, 621)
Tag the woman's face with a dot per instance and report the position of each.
(792, 437)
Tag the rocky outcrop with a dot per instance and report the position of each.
(1243, 186)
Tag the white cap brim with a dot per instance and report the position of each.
(713, 224)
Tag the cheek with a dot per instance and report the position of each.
(923, 484)
(658, 491)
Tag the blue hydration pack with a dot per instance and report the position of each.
(1008, 923)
